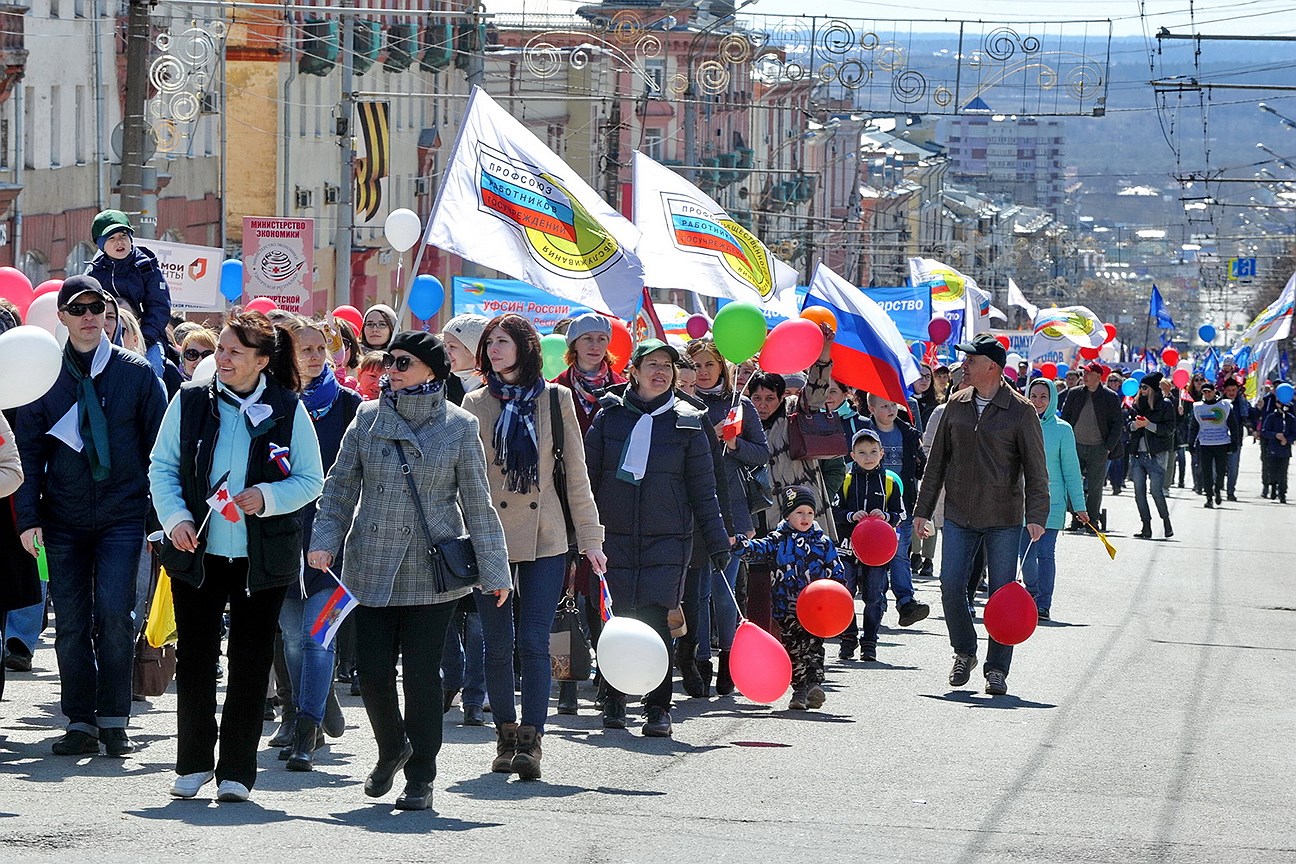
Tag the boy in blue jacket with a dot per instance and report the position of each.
(1277, 433)
(131, 274)
(869, 490)
(801, 553)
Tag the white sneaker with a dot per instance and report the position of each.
(231, 790)
(187, 785)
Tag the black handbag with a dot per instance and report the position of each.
(816, 435)
(760, 488)
(569, 647)
(453, 560)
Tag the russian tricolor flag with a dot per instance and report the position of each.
(868, 353)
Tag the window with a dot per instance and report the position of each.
(80, 124)
(656, 71)
(653, 144)
(78, 258)
(29, 127)
(56, 125)
(4, 144)
(79, 8)
(53, 8)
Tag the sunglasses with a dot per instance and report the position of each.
(192, 354)
(76, 310)
(402, 363)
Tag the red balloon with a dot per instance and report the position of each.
(939, 330)
(260, 304)
(1048, 370)
(1181, 378)
(874, 541)
(1111, 332)
(15, 286)
(825, 608)
(1170, 357)
(1089, 353)
(1003, 340)
(792, 346)
(49, 286)
(352, 316)
(620, 346)
(1010, 614)
(759, 664)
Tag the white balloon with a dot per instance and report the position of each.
(631, 656)
(43, 313)
(1014, 359)
(30, 359)
(205, 369)
(402, 228)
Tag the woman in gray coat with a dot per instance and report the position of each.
(404, 611)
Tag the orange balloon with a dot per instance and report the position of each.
(620, 345)
(820, 315)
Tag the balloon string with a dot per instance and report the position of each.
(733, 597)
(1021, 563)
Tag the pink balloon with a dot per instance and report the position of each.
(16, 287)
(939, 330)
(792, 346)
(1181, 377)
(759, 664)
(49, 286)
(352, 316)
(1010, 614)
(260, 304)
(697, 326)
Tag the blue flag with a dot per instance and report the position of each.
(1210, 365)
(1157, 309)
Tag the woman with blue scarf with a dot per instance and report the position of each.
(515, 411)
(331, 407)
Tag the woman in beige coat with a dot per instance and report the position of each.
(515, 412)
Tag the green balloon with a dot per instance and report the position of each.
(739, 331)
(553, 348)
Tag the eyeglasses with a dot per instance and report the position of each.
(193, 354)
(76, 310)
(401, 363)
(378, 323)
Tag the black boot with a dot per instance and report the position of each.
(684, 659)
(1146, 533)
(287, 723)
(567, 697)
(704, 671)
(724, 684)
(614, 711)
(302, 757)
(1169, 531)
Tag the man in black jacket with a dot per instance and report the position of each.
(85, 452)
(1094, 412)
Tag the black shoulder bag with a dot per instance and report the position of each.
(569, 647)
(453, 559)
(559, 433)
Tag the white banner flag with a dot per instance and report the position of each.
(1018, 299)
(1274, 323)
(509, 202)
(691, 244)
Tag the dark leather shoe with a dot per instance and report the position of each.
(379, 781)
(76, 743)
(334, 723)
(659, 723)
(116, 742)
(614, 712)
(417, 796)
(474, 715)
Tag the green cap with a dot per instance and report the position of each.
(108, 223)
(648, 346)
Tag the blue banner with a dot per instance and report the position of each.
(491, 297)
(908, 307)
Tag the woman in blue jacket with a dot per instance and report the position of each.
(1039, 566)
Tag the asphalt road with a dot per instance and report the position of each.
(1152, 721)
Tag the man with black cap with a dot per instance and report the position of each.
(85, 450)
(1094, 412)
(988, 458)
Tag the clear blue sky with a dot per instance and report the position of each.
(1211, 16)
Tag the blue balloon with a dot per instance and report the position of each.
(1138, 375)
(231, 280)
(1063, 369)
(1284, 393)
(1129, 387)
(1206, 332)
(426, 296)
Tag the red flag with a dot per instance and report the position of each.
(732, 426)
(222, 502)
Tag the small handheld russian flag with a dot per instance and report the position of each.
(605, 599)
(279, 456)
(335, 611)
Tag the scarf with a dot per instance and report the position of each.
(515, 437)
(384, 387)
(717, 390)
(253, 411)
(584, 385)
(320, 394)
(638, 447)
(84, 427)
(779, 412)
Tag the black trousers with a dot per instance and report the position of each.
(654, 617)
(414, 635)
(254, 619)
(1214, 466)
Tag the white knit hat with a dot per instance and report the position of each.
(467, 328)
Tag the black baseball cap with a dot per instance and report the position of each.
(987, 346)
(74, 286)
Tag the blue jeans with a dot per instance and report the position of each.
(92, 583)
(25, 624)
(1234, 462)
(722, 606)
(497, 637)
(960, 547)
(154, 357)
(1039, 567)
(872, 582)
(900, 570)
(1148, 469)
(310, 664)
(463, 659)
(539, 588)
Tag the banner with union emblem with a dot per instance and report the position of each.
(278, 257)
(509, 202)
(691, 244)
(1058, 329)
(955, 296)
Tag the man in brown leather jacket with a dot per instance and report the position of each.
(988, 457)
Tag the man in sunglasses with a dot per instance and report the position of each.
(85, 452)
